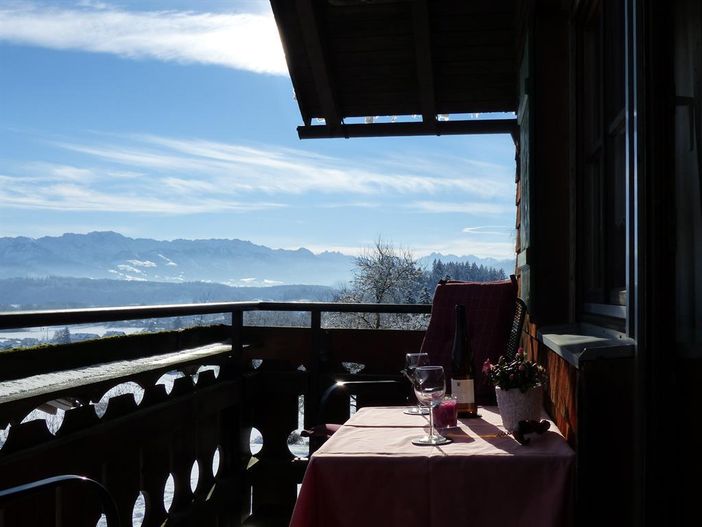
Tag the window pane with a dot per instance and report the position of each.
(615, 196)
(688, 185)
(590, 254)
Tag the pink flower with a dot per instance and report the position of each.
(487, 366)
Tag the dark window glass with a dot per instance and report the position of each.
(601, 247)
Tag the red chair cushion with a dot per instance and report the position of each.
(321, 431)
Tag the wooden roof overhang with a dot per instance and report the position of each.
(365, 58)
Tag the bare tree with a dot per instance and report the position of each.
(62, 336)
(384, 274)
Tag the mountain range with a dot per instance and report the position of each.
(109, 255)
(114, 256)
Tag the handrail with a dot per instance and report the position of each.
(19, 319)
(109, 508)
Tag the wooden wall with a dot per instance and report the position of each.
(590, 401)
(561, 400)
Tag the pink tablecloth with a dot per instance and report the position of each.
(369, 473)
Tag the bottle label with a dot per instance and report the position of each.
(463, 390)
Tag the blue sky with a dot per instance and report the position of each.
(176, 119)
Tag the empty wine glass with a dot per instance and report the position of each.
(412, 361)
(430, 388)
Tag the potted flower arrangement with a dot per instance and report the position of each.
(518, 386)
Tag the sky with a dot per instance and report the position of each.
(174, 119)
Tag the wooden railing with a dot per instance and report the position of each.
(188, 445)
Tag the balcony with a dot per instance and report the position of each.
(172, 444)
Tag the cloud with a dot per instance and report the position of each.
(129, 269)
(497, 230)
(473, 207)
(52, 193)
(141, 263)
(352, 204)
(274, 170)
(166, 175)
(242, 41)
(94, 4)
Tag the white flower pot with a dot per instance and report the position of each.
(516, 406)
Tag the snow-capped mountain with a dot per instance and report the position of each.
(233, 262)
(112, 255)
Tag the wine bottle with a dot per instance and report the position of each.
(462, 378)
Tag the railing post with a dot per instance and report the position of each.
(312, 406)
(237, 343)
(239, 423)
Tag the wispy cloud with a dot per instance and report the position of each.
(53, 193)
(472, 207)
(166, 175)
(274, 170)
(244, 41)
(490, 230)
(93, 3)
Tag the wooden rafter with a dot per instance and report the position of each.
(425, 72)
(318, 63)
(477, 126)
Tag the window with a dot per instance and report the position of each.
(687, 180)
(601, 239)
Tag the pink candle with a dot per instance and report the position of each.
(445, 415)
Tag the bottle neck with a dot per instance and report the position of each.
(461, 356)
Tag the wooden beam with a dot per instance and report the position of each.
(318, 63)
(425, 71)
(477, 126)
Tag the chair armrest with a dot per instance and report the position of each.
(383, 392)
(324, 431)
(380, 392)
(109, 508)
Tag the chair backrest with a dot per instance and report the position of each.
(494, 323)
(515, 331)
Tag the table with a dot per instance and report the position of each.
(370, 474)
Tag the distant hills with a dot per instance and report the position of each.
(66, 292)
(112, 256)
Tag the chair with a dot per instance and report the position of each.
(495, 316)
(88, 485)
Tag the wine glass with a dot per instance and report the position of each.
(430, 388)
(412, 361)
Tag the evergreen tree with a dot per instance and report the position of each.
(469, 272)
